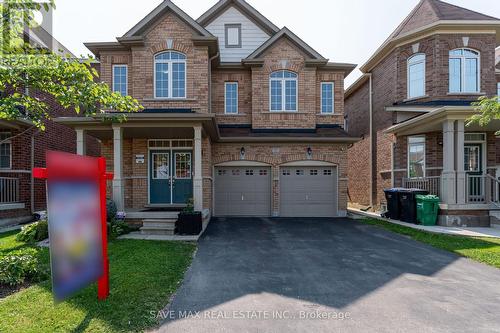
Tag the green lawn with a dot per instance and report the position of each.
(485, 250)
(143, 275)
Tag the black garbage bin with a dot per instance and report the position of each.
(393, 205)
(408, 204)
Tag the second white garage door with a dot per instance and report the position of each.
(308, 191)
(242, 191)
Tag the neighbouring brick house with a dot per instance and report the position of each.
(22, 148)
(410, 106)
(242, 116)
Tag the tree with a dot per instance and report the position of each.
(489, 109)
(26, 68)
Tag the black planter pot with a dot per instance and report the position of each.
(189, 224)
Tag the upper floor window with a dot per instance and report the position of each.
(464, 71)
(416, 76)
(231, 98)
(283, 91)
(5, 150)
(416, 156)
(327, 97)
(120, 79)
(233, 35)
(170, 75)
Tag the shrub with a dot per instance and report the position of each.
(117, 228)
(111, 210)
(35, 232)
(15, 269)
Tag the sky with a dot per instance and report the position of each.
(341, 30)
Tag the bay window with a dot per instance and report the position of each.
(416, 76)
(464, 71)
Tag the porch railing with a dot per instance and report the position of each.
(431, 184)
(482, 189)
(9, 190)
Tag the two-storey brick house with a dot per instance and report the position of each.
(23, 147)
(411, 105)
(242, 116)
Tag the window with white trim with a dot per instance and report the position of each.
(416, 75)
(327, 97)
(464, 71)
(170, 75)
(120, 79)
(416, 156)
(498, 91)
(283, 91)
(5, 150)
(231, 97)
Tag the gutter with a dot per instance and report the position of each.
(210, 81)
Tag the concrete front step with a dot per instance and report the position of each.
(157, 232)
(158, 226)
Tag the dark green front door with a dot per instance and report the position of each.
(170, 177)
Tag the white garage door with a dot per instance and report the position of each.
(308, 191)
(242, 191)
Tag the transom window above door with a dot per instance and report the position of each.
(283, 91)
(464, 71)
(170, 75)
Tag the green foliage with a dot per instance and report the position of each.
(489, 109)
(189, 209)
(117, 228)
(35, 232)
(15, 269)
(73, 83)
(111, 210)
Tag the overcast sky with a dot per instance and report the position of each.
(341, 30)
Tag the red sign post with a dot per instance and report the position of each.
(68, 169)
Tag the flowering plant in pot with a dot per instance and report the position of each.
(189, 221)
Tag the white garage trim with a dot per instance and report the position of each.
(242, 164)
(308, 163)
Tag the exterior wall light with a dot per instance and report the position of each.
(242, 153)
(309, 152)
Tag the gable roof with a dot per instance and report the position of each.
(430, 11)
(428, 15)
(159, 11)
(245, 8)
(285, 32)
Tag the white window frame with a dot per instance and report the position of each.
(408, 65)
(9, 142)
(498, 91)
(418, 140)
(126, 76)
(333, 97)
(170, 76)
(225, 97)
(283, 91)
(462, 70)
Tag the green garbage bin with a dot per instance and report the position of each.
(427, 209)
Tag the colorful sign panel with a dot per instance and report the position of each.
(76, 203)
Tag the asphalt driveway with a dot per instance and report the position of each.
(324, 275)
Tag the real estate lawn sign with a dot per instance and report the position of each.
(76, 204)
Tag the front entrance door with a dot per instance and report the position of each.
(473, 165)
(170, 177)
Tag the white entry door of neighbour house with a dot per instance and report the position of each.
(474, 166)
(308, 191)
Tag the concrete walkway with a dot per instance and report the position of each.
(493, 232)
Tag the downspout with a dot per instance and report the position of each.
(210, 81)
(32, 187)
(370, 98)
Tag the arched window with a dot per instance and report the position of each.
(170, 75)
(416, 75)
(464, 71)
(283, 91)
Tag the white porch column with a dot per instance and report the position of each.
(448, 178)
(80, 141)
(460, 163)
(118, 193)
(198, 171)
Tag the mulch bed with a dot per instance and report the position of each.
(6, 290)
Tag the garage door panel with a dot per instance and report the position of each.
(242, 191)
(308, 191)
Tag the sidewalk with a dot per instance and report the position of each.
(493, 232)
